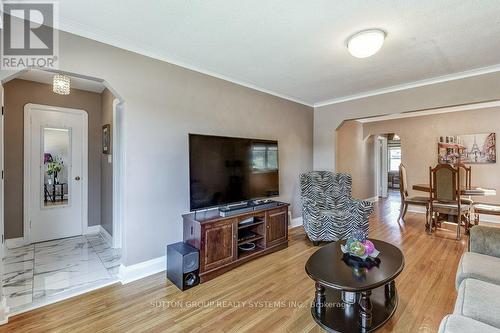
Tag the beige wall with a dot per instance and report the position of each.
(355, 156)
(106, 167)
(162, 104)
(18, 93)
(419, 137)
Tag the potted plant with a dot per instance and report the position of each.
(54, 166)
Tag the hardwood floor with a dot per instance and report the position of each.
(426, 291)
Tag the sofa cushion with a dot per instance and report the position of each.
(485, 240)
(479, 300)
(460, 324)
(478, 266)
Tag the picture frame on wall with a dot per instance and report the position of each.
(106, 139)
(468, 148)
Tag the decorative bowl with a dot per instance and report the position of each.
(362, 250)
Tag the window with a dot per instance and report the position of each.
(265, 157)
(394, 158)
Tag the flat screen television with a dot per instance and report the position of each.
(224, 170)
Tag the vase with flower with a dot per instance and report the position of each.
(54, 166)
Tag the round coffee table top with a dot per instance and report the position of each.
(327, 267)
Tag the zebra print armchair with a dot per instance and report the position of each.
(329, 212)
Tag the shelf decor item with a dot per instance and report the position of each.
(247, 247)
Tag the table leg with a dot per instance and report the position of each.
(427, 220)
(319, 299)
(390, 290)
(365, 304)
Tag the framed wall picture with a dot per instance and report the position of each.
(106, 139)
(469, 148)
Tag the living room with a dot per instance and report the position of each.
(279, 77)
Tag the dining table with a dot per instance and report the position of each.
(466, 191)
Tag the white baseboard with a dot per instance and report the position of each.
(4, 311)
(93, 229)
(107, 237)
(12, 243)
(296, 222)
(482, 217)
(372, 199)
(141, 270)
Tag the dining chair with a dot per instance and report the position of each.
(465, 173)
(445, 196)
(406, 200)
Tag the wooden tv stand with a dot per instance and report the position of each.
(217, 238)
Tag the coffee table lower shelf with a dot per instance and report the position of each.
(335, 316)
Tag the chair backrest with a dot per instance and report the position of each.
(465, 173)
(445, 182)
(324, 187)
(403, 181)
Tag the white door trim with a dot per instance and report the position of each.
(381, 166)
(117, 161)
(28, 110)
(4, 309)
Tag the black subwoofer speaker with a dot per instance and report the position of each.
(183, 262)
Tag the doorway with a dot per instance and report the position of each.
(77, 248)
(387, 160)
(381, 166)
(55, 172)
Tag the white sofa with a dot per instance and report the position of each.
(477, 308)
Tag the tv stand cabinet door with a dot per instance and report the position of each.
(219, 244)
(276, 226)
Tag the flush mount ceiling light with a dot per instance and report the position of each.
(61, 84)
(366, 43)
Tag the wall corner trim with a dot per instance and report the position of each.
(4, 311)
(131, 273)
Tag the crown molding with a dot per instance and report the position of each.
(410, 85)
(431, 111)
(79, 30)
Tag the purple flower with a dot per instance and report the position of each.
(47, 158)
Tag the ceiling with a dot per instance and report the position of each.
(296, 49)
(46, 77)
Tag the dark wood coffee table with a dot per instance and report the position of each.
(350, 299)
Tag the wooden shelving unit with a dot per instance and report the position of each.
(218, 238)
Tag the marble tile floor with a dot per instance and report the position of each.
(43, 273)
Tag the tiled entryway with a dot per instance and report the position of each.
(46, 272)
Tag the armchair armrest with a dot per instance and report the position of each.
(365, 206)
(485, 240)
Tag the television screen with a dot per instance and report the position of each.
(226, 170)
